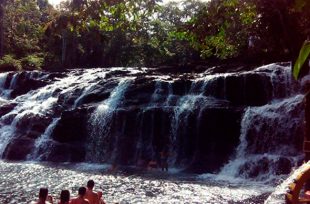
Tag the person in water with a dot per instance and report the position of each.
(64, 197)
(81, 197)
(152, 165)
(164, 160)
(44, 198)
(101, 201)
(90, 195)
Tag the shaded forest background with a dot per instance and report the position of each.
(104, 33)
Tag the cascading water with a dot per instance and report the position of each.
(260, 157)
(100, 122)
(245, 125)
(4, 93)
(2, 80)
(42, 144)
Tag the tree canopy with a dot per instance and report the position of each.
(101, 33)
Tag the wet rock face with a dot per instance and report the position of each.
(277, 166)
(6, 108)
(217, 136)
(250, 89)
(72, 126)
(197, 118)
(23, 83)
(64, 152)
(32, 122)
(257, 90)
(19, 148)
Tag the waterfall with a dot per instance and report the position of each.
(283, 83)
(100, 122)
(270, 140)
(38, 106)
(4, 93)
(211, 123)
(42, 146)
(3, 77)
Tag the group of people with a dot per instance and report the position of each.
(85, 196)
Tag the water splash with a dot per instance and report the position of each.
(283, 123)
(42, 146)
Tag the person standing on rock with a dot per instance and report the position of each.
(81, 197)
(90, 195)
(164, 160)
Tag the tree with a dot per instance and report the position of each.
(222, 28)
(101, 33)
(2, 5)
(23, 28)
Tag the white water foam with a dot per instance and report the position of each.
(99, 122)
(41, 146)
(272, 116)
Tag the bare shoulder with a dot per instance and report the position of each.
(73, 201)
(95, 194)
(86, 202)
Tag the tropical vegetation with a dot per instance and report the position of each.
(104, 33)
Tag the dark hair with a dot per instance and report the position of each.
(82, 191)
(90, 184)
(64, 196)
(43, 193)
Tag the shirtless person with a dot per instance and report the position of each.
(90, 194)
(81, 197)
(101, 201)
(43, 197)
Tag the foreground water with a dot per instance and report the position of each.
(19, 183)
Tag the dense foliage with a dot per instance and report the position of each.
(103, 33)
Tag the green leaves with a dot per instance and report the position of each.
(23, 24)
(222, 28)
(303, 55)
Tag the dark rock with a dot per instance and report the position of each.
(93, 97)
(6, 108)
(217, 136)
(249, 89)
(34, 122)
(8, 118)
(67, 100)
(258, 89)
(283, 166)
(234, 89)
(181, 87)
(33, 134)
(139, 93)
(117, 73)
(19, 148)
(23, 83)
(72, 126)
(252, 169)
(66, 153)
(216, 88)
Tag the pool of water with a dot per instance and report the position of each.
(20, 183)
